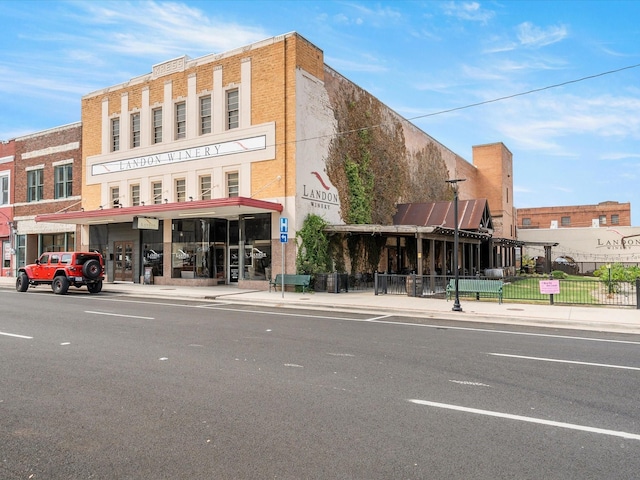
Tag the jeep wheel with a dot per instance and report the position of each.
(60, 285)
(91, 269)
(22, 282)
(95, 287)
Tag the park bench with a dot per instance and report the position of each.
(290, 279)
(477, 286)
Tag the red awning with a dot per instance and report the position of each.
(219, 207)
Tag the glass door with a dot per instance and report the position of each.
(123, 261)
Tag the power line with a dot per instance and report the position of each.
(471, 105)
(528, 92)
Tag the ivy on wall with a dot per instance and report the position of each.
(314, 254)
(372, 168)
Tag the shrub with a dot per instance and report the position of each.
(558, 275)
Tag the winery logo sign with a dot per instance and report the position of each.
(622, 243)
(320, 194)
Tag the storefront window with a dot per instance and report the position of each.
(152, 250)
(257, 258)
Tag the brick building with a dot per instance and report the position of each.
(189, 170)
(7, 237)
(47, 180)
(603, 214)
(591, 235)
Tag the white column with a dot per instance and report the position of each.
(168, 114)
(193, 110)
(245, 93)
(218, 101)
(145, 119)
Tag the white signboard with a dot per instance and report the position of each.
(196, 153)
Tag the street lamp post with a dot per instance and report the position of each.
(456, 234)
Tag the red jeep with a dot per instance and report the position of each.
(63, 269)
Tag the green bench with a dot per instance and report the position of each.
(290, 279)
(476, 286)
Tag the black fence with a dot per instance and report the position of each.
(587, 291)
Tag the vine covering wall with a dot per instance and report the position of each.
(369, 161)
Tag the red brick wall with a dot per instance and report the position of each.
(46, 143)
(580, 215)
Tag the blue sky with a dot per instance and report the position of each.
(578, 143)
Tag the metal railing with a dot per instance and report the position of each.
(587, 291)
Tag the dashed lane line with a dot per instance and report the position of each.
(574, 362)
(508, 416)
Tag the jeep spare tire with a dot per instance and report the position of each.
(91, 269)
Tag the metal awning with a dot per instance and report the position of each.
(403, 230)
(219, 207)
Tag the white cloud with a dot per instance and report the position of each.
(467, 11)
(531, 36)
(160, 29)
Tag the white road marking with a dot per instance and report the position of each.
(508, 416)
(466, 382)
(293, 365)
(378, 318)
(542, 359)
(388, 322)
(340, 354)
(15, 335)
(118, 315)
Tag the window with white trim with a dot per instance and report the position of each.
(115, 197)
(233, 185)
(135, 130)
(63, 180)
(156, 187)
(115, 134)
(205, 187)
(4, 189)
(233, 109)
(135, 195)
(181, 120)
(205, 114)
(181, 190)
(157, 125)
(35, 185)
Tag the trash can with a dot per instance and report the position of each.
(414, 285)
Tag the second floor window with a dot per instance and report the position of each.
(135, 130)
(233, 110)
(157, 125)
(63, 178)
(615, 219)
(181, 190)
(205, 187)
(232, 184)
(181, 120)
(4, 190)
(205, 114)
(35, 185)
(157, 192)
(115, 134)
(526, 222)
(115, 197)
(135, 195)
(565, 221)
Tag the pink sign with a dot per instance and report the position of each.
(550, 286)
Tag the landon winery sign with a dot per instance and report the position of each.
(618, 244)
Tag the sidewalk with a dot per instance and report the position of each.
(605, 319)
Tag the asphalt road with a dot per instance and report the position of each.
(108, 387)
